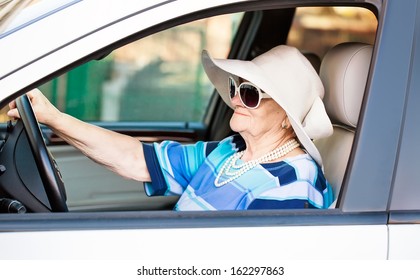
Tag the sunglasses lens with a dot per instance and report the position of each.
(232, 88)
(249, 95)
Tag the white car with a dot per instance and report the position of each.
(134, 67)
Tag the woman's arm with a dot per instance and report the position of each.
(120, 153)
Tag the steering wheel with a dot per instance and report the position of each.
(47, 167)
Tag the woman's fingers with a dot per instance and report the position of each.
(45, 112)
(13, 113)
(12, 104)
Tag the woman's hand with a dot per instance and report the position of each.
(45, 112)
(120, 153)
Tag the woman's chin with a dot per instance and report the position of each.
(237, 127)
(239, 123)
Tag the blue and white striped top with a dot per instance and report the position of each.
(190, 170)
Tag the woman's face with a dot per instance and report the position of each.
(266, 118)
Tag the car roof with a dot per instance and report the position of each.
(16, 14)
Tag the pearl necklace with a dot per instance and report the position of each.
(234, 171)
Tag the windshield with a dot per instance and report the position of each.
(16, 14)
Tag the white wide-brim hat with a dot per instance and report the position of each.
(288, 77)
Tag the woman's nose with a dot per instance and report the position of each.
(236, 100)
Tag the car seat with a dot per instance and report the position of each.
(344, 70)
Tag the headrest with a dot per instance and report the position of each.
(344, 71)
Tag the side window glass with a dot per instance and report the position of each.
(329, 26)
(157, 78)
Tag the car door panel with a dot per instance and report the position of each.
(292, 243)
(276, 235)
(404, 242)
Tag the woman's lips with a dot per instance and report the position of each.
(240, 112)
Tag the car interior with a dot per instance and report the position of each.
(343, 68)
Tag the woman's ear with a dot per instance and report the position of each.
(285, 124)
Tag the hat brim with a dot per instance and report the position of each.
(219, 70)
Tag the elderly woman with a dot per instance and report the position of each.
(271, 163)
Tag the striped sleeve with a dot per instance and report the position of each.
(172, 165)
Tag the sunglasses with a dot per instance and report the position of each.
(249, 94)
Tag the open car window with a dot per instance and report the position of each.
(155, 88)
